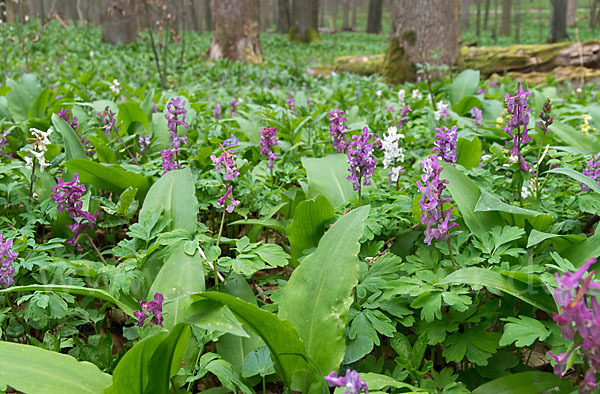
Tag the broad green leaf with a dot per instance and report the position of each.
(308, 226)
(111, 177)
(258, 362)
(125, 306)
(431, 304)
(575, 138)
(524, 331)
(250, 128)
(175, 194)
(131, 112)
(269, 223)
(524, 383)
(535, 296)
(38, 109)
(560, 241)
(465, 193)
(377, 381)
(234, 348)
(583, 251)
(318, 295)
(469, 152)
(464, 85)
(490, 203)
(166, 360)
(22, 96)
(132, 373)
(73, 147)
(5, 90)
(463, 107)
(403, 349)
(31, 369)
(476, 344)
(287, 350)
(180, 276)
(327, 176)
(213, 316)
(578, 176)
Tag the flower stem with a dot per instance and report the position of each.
(218, 241)
(537, 167)
(32, 178)
(125, 146)
(95, 248)
(451, 254)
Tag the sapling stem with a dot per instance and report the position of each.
(125, 146)
(215, 270)
(451, 254)
(32, 178)
(95, 248)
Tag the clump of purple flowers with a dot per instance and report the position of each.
(168, 163)
(109, 122)
(516, 124)
(226, 162)
(233, 105)
(3, 143)
(592, 170)
(268, 139)
(154, 308)
(432, 203)
(361, 159)
(477, 116)
(217, 113)
(7, 257)
(351, 382)
(68, 197)
(403, 116)
(65, 114)
(144, 142)
(176, 117)
(445, 145)
(579, 320)
(337, 129)
(231, 142)
(290, 102)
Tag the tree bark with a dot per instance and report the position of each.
(478, 25)
(264, 15)
(236, 31)
(506, 17)
(558, 24)
(346, 21)
(426, 31)
(464, 16)
(571, 13)
(486, 15)
(120, 21)
(283, 16)
(354, 10)
(374, 16)
(304, 25)
(207, 15)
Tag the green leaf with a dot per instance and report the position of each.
(431, 304)
(466, 194)
(327, 176)
(476, 343)
(131, 112)
(403, 349)
(524, 383)
(175, 194)
(469, 152)
(287, 350)
(308, 226)
(73, 147)
(4, 90)
(464, 85)
(418, 351)
(258, 362)
(166, 360)
(22, 96)
(575, 138)
(318, 295)
(490, 203)
(269, 223)
(32, 369)
(483, 277)
(583, 251)
(180, 276)
(523, 330)
(125, 306)
(213, 316)
(463, 107)
(38, 109)
(111, 177)
(377, 381)
(560, 241)
(578, 176)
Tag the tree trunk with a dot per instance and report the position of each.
(120, 22)
(236, 32)
(304, 21)
(354, 9)
(464, 16)
(426, 31)
(558, 24)
(506, 16)
(486, 15)
(264, 15)
(374, 16)
(346, 21)
(283, 16)
(478, 26)
(571, 13)
(593, 14)
(207, 16)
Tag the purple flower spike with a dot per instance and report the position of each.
(268, 139)
(351, 382)
(290, 102)
(217, 113)
(445, 146)
(176, 116)
(65, 114)
(477, 116)
(168, 163)
(516, 124)
(109, 122)
(233, 105)
(231, 142)
(337, 130)
(592, 170)
(361, 159)
(227, 160)
(7, 257)
(154, 308)
(431, 202)
(144, 142)
(233, 202)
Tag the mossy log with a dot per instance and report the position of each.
(517, 60)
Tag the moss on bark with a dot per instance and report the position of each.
(310, 36)
(396, 67)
